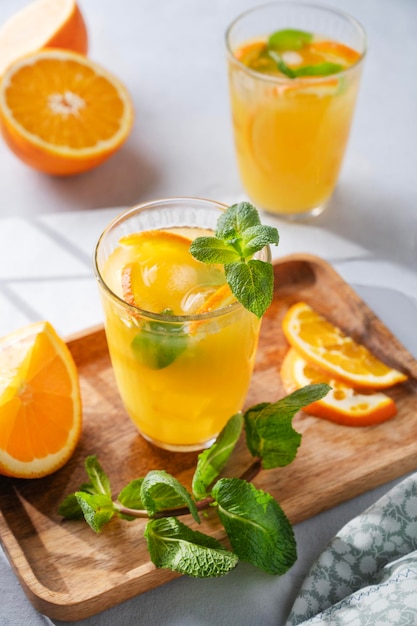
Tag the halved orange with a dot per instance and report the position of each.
(326, 346)
(40, 404)
(42, 24)
(61, 113)
(343, 404)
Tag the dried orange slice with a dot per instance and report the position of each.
(41, 24)
(40, 405)
(327, 347)
(61, 113)
(342, 404)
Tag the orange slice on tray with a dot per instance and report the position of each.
(40, 405)
(342, 404)
(61, 113)
(41, 24)
(326, 346)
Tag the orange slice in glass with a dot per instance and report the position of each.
(40, 404)
(159, 272)
(342, 404)
(61, 113)
(220, 298)
(327, 347)
(335, 52)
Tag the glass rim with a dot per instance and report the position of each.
(138, 311)
(309, 80)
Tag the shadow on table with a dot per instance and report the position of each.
(123, 180)
(378, 222)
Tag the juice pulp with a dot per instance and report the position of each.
(291, 134)
(180, 378)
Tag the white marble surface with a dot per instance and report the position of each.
(170, 55)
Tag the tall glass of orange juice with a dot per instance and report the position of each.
(294, 72)
(182, 348)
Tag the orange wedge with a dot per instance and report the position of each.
(342, 404)
(41, 24)
(61, 113)
(160, 269)
(40, 406)
(218, 299)
(327, 347)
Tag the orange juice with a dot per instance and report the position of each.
(291, 129)
(182, 348)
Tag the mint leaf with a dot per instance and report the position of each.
(87, 487)
(175, 546)
(257, 237)
(252, 284)
(161, 491)
(321, 69)
(213, 460)
(100, 483)
(239, 235)
(213, 250)
(269, 431)
(131, 498)
(281, 65)
(158, 344)
(97, 509)
(240, 227)
(258, 530)
(70, 507)
(289, 39)
(235, 220)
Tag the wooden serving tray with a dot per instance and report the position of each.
(69, 572)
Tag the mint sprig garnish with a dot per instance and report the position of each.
(175, 546)
(257, 527)
(212, 461)
(292, 40)
(320, 69)
(239, 235)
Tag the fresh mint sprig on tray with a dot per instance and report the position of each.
(239, 235)
(257, 528)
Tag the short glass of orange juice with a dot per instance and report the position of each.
(181, 346)
(294, 72)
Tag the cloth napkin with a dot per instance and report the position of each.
(367, 575)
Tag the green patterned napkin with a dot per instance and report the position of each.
(368, 573)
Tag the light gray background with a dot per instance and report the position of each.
(171, 57)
